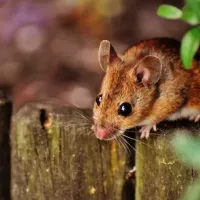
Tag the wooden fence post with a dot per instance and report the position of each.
(159, 173)
(55, 156)
(5, 119)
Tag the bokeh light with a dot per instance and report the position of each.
(49, 48)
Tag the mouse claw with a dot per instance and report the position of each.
(145, 131)
(195, 118)
(154, 128)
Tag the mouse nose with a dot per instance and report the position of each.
(103, 133)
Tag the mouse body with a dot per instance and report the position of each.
(144, 86)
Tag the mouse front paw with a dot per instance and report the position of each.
(145, 130)
(195, 118)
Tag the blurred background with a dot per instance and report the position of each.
(48, 49)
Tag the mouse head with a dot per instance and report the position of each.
(127, 92)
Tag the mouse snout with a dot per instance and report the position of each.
(104, 132)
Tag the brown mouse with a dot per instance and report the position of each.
(144, 86)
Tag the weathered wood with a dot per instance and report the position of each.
(5, 119)
(63, 160)
(159, 173)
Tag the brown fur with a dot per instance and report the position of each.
(176, 88)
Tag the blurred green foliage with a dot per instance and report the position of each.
(190, 13)
(193, 192)
(188, 150)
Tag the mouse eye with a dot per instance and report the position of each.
(99, 99)
(125, 109)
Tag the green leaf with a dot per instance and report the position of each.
(189, 46)
(169, 12)
(188, 149)
(195, 5)
(193, 192)
(189, 15)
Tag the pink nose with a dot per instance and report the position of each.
(102, 133)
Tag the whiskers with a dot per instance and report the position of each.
(127, 143)
(88, 119)
(151, 133)
(80, 120)
(165, 137)
(83, 115)
(136, 140)
(129, 147)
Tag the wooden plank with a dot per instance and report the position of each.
(159, 173)
(63, 160)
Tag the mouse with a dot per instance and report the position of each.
(144, 86)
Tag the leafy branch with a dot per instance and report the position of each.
(190, 13)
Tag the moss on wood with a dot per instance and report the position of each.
(160, 174)
(62, 159)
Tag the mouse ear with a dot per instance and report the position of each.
(148, 70)
(107, 54)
